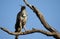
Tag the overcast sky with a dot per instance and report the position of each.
(9, 9)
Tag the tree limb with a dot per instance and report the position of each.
(27, 32)
(54, 34)
(40, 16)
(43, 21)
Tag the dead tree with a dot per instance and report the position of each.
(51, 31)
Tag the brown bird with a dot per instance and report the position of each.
(21, 20)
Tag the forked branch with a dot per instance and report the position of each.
(40, 16)
(27, 32)
(43, 21)
(52, 31)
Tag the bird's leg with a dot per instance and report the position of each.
(25, 28)
(20, 26)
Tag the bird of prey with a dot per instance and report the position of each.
(21, 20)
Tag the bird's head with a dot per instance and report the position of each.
(23, 7)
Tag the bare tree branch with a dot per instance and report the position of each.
(40, 16)
(27, 32)
(52, 32)
(43, 21)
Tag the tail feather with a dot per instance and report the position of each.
(16, 37)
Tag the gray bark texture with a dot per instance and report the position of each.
(51, 31)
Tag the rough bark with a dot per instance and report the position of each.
(51, 31)
(27, 32)
(43, 21)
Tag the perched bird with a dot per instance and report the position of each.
(21, 19)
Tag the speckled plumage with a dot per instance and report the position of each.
(21, 20)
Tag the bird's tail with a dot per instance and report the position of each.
(16, 37)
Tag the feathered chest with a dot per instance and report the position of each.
(22, 15)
